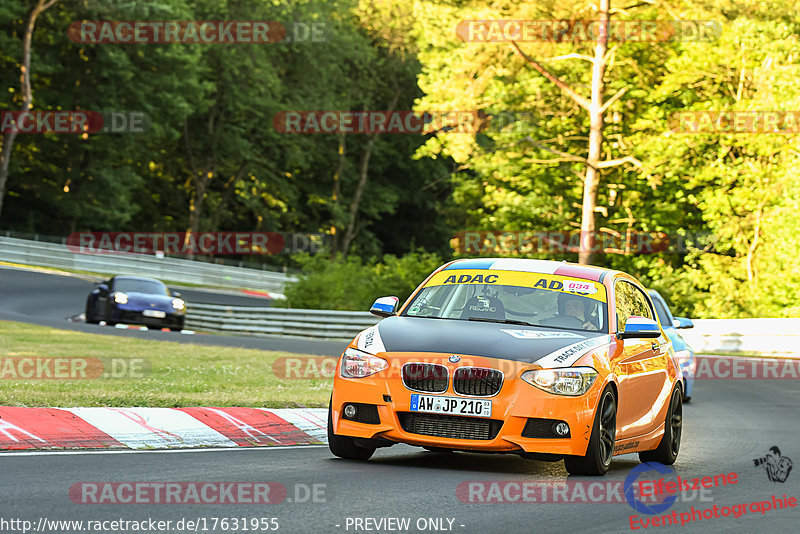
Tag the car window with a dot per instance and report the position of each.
(663, 316)
(630, 301)
(493, 295)
(132, 285)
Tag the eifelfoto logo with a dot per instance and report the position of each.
(777, 467)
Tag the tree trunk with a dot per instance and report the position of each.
(363, 174)
(337, 194)
(27, 94)
(592, 178)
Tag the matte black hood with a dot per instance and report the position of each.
(493, 340)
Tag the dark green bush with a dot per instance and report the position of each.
(350, 284)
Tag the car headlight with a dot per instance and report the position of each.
(357, 364)
(178, 304)
(120, 297)
(565, 381)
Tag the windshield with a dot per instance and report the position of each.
(130, 285)
(513, 297)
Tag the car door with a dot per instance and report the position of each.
(641, 369)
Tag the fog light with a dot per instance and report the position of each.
(350, 411)
(562, 429)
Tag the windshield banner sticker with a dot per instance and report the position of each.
(550, 282)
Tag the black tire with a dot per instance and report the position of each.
(601, 444)
(89, 314)
(344, 446)
(687, 400)
(670, 444)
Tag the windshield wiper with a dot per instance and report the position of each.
(503, 321)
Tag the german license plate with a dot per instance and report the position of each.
(451, 405)
(154, 313)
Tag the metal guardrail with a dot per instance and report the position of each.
(320, 324)
(729, 336)
(756, 336)
(172, 269)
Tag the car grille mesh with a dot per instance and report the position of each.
(428, 377)
(542, 428)
(477, 381)
(365, 413)
(449, 426)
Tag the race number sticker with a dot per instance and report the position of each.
(584, 288)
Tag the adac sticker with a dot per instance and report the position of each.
(533, 334)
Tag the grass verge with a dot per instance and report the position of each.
(179, 374)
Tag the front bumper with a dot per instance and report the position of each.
(512, 407)
(131, 315)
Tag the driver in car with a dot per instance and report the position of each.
(577, 307)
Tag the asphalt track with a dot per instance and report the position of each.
(727, 425)
(53, 299)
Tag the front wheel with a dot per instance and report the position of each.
(601, 443)
(345, 446)
(89, 315)
(670, 444)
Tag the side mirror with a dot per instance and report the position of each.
(682, 322)
(639, 327)
(176, 294)
(385, 306)
(103, 287)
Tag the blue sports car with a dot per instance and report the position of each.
(683, 352)
(136, 300)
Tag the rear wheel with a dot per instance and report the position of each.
(601, 443)
(670, 444)
(345, 446)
